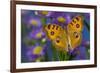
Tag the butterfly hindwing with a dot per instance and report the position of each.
(74, 39)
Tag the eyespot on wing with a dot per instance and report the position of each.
(76, 24)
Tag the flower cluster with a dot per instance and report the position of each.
(37, 47)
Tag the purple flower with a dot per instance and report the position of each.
(79, 53)
(29, 19)
(60, 18)
(35, 22)
(43, 13)
(35, 52)
(37, 34)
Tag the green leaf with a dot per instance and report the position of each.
(43, 20)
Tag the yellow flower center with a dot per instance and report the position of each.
(37, 50)
(34, 22)
(61, 19)
(38, 59)
(44, 12)
(39, 35)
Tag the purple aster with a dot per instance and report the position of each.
(30, 19)
(37, 34)
(79, 53)
(66, 16)
(35, 21)
(35, 52)
(60, 18)
(43, 13)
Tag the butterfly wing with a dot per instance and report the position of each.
(74, 39)
(52, 31)
(76, 24)
(75, 31)
(57, 35)
(61, 41)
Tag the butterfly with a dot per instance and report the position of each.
(66, 39)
